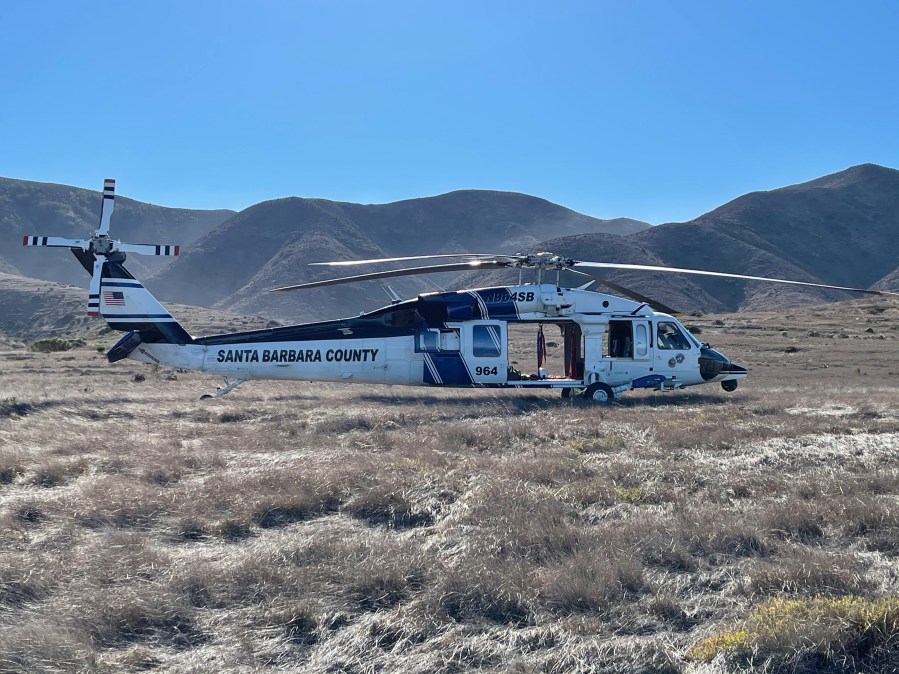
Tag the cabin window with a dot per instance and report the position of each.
(429, 340)
(618, 342)
(433, 340)
(669, 336)
(641, 339)
(486, 341)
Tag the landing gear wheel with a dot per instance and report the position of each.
(566, 393)
(600, 393)
(205, 396)
(730, 385)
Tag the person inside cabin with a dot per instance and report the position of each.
(620, 340)
(669, 337)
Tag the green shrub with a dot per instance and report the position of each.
(846, 634)
(54, 344)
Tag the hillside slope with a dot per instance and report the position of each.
(842, 229)
(32, 309)
(45, 209)
(272, 243)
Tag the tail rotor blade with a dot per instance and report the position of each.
(107, 206)
(93, 293)
(147, 249)
(55, 242)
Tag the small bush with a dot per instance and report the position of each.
(11, 467)
(55, 344)
(12, 406)
(58, 473)
(849, 634)
(498, 592)
(380, 505)
(589, 582)
(725, 533)
(298, 621)
(123, 615)
(808, 572)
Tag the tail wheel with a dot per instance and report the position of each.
(600, 393)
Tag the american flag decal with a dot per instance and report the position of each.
(113, 298)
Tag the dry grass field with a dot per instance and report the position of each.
(327, 528)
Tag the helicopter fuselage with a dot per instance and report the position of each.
(460, 339)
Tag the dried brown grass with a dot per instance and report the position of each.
(317, 528)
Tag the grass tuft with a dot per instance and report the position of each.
(822, 634)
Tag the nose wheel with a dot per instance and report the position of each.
(730, 385)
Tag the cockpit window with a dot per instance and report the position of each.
(669, 336)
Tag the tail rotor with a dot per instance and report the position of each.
(100, 247)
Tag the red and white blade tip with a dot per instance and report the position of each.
(109, 184)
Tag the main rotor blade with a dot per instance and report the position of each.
(655, 305)
(702, 272)
(474, 265)
(107, 205)
(347, 263)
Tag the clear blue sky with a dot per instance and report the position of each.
(653, 110)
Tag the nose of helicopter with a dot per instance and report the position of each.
(715, 366)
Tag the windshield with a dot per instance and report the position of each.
(669, 335)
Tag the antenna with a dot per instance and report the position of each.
(392, 294)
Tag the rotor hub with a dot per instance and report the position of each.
(101, 244)
(543, 260)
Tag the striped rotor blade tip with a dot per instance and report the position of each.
(93, 293)
(168, 250)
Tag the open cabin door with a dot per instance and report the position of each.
(626, 350)
(485, 350)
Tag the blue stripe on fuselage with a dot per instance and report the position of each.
(450, 369)
(499, 303)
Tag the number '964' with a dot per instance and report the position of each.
(485, 370)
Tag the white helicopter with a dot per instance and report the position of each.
(612, 344)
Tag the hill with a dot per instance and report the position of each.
(6, 267)
(842, 229)
(32, 309)
(270, 244)
(32, 208)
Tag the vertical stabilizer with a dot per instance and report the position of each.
(127, 306)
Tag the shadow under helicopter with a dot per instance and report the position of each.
(532, 402)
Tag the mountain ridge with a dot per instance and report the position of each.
(839, 229)
(49, 209)
(289, 233)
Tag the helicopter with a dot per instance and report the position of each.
(613, 342)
